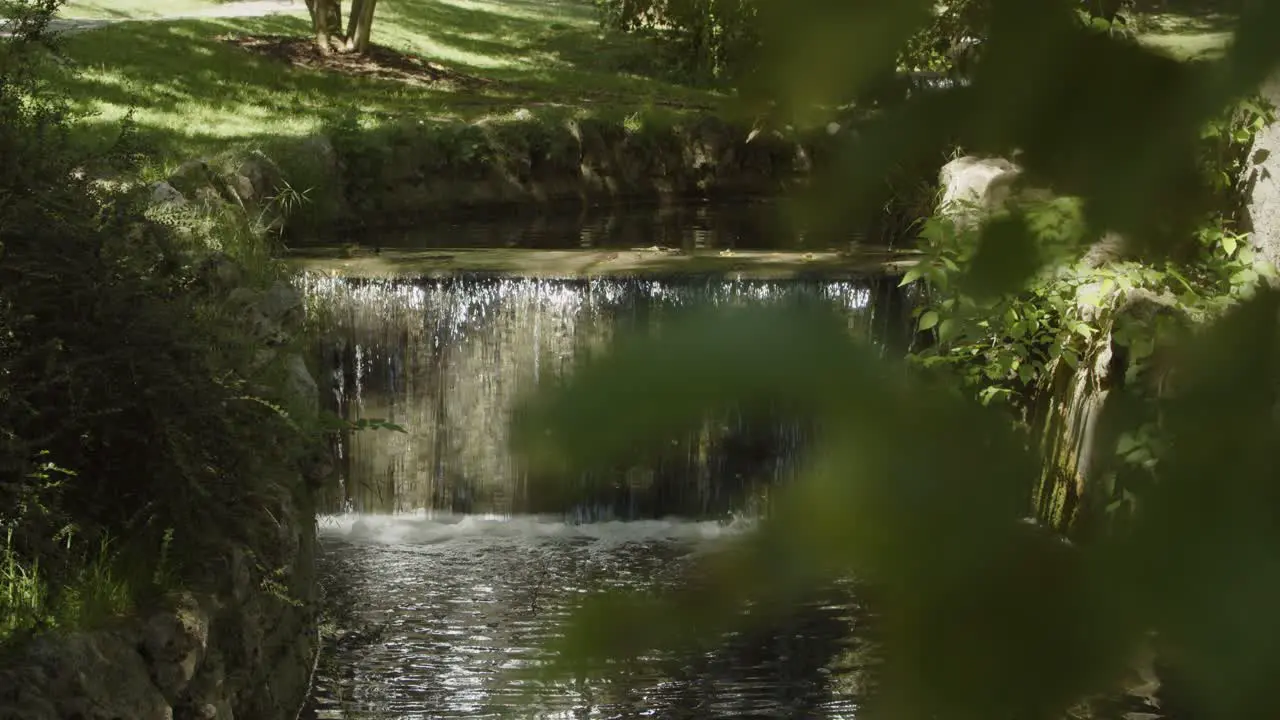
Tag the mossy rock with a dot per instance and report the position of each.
(199, 182)
(555, 151)
(600, 142)
(653, 152)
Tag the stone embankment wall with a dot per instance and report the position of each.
(404, 174)
(239, 646)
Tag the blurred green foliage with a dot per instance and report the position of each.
(919, 489)
(1005, 341)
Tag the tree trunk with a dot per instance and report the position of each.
(326, 21)
(360, 26)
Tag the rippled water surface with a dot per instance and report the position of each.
(434, 611)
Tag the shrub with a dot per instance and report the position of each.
(127, 397)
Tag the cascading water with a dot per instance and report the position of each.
(446, 571)
(448, 359)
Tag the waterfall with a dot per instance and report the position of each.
(448, 358)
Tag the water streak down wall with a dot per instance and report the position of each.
(449, 358)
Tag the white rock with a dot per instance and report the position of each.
(971, 183)
(164, 195)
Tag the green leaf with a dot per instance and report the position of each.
(1026, 373)
(1128, 441)
(911, 276)
(1229, 244)
(928, 320)
(1244, 277)
(947, 329)
(1083, 330)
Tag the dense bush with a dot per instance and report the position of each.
(130, 436)
(726, 41)
(707, 41)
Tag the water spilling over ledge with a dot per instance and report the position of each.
(448, 358)
(653, 262)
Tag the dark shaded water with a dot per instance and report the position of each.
(437, 611)
(444, 572)
(747, 224)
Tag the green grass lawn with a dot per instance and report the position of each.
(192, 93)
(1184, 36)
(131, 9)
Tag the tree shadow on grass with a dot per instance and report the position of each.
(191, 86)
(555, 48)
(185, 84)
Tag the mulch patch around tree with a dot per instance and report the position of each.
(380, 62)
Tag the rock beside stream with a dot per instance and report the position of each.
(241, 647)
(168, 665)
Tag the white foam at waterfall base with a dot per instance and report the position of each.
(427, 528)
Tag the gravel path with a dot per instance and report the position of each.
(242, 9)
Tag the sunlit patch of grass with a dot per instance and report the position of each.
(23, 595)
(1186, 37)
(1189, 47)
(132, 9)
(104, 586)
(191, 92)
(99, 593)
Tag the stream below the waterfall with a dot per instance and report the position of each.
(436, 613)
(444, 572)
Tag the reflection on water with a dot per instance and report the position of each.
(449, 358)
(435, 612)
(748, 224)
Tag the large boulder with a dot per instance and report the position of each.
(195, 180)
(300, 384)
(256, 179)
(166, 196)
(89, 675)
(973, 187)
(174, 642)
(271, 315)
